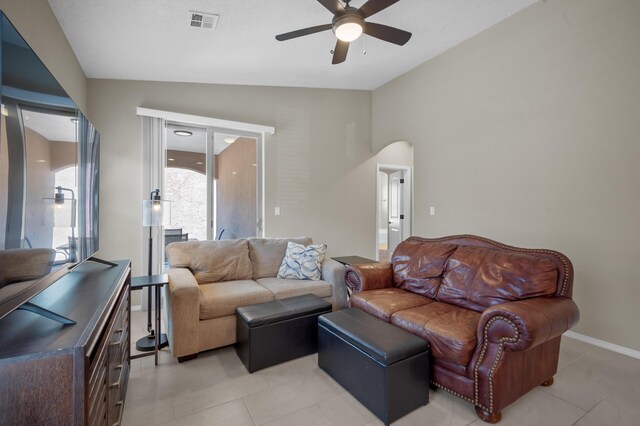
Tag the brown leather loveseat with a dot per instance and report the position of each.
(492, 313)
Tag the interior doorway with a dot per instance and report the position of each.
(393, 213)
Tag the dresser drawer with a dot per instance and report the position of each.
(109, 370)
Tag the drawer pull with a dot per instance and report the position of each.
(116, 385)
(120, 410)
(118, 331)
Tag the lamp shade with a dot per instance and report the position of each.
(156, 213)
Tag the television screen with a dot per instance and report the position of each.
(49, 161)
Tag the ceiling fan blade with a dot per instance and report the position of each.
(340, 52)
(303, 32)
(334, 6)
(390, 34)
(374, 6)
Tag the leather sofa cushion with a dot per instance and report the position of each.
(212, 261)
(478, 277)
(266, 254)
(384, 302)
(283, 288)
(222, 298)
(418, 266)
(450, 330)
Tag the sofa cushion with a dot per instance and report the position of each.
(266, 254)
(478, 277)
(384, 302)
(222, 298)
(284, 288)
(212, 261)
(302, 262)
(451, 330)
(25, 264)
(418, 265)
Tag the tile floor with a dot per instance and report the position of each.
(383, 253)
(593, 387)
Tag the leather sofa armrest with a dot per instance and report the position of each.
(333, 273)
(527, 323)
(369, 276)
(183, 313)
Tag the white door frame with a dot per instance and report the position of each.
(407, 201)
(256, 131)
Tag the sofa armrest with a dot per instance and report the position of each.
(333, 273)
(369, 276)
(527, 323)
(183, 312)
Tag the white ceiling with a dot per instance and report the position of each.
(52, 127)
(153, 40)
(197, 142)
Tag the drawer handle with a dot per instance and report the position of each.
(118, 331)
(116, 385)
(120, 410)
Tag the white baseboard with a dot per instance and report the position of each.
(136, 307)
(605, 345)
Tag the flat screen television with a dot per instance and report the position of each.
(49, 177)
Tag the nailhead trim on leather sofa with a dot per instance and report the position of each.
(485, 344)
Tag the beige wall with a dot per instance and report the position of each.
(236, 190)
(37, 24)
(529, 134)
(194, 161)
(319, 166)
(40, 181)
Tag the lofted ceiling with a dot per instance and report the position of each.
(153, 40)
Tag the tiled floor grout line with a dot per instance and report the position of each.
(249, 411)
(571, 403)
(574, 360)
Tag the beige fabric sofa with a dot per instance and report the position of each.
(208, 280)
(20, 269)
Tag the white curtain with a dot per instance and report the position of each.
(153, 154)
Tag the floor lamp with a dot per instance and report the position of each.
(155, 212)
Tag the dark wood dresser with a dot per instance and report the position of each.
(52, 374)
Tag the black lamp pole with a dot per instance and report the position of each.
(147, 343)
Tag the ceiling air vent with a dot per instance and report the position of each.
(204, 20)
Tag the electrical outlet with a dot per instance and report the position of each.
(432, 211)
(277, 211)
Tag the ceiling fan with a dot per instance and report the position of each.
(348, 24)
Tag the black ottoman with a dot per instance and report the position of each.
(274, 332)
(382, 366)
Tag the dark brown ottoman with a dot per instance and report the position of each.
(382, 366)
(274, 332)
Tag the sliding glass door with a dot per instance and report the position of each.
(211, 179)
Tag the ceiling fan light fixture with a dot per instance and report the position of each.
(182, 133)
(348, 28)
(349, 31)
